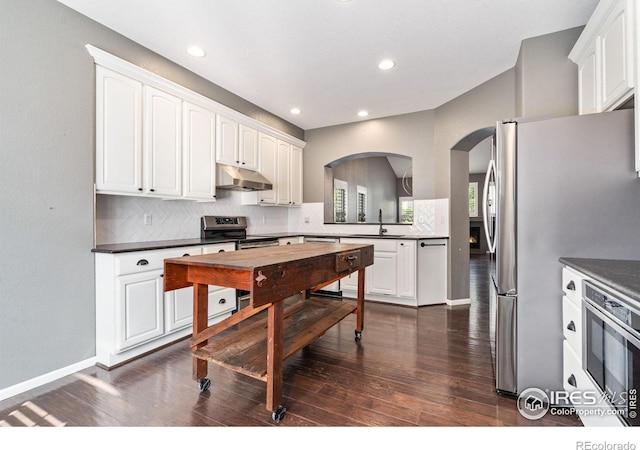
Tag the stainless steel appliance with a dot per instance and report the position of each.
(224, 228)
(333, 289)
(563, 187)
(611, 343)
(240, 179)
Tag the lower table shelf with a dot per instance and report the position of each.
(243, 348)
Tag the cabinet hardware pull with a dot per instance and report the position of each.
(161, 275)
(222, 301)
(152, 190)
(422, 244)
(142, 262)
(571, 326)
(352, 258)
(260, 278)
(572, 381)
(221, 250)
(186, 254)
(140, 189)
(571, 286)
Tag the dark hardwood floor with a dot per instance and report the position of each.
(430, 366)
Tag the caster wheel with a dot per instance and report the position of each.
(204, 384)
(278, 414)
(358, 335)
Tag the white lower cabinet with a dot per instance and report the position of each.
(139, 308)
(133, 313)
(400, 273)
(582, 391)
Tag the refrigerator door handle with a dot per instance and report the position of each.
(485, 203)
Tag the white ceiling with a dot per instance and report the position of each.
(322, 55)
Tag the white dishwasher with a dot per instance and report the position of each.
(332, 289)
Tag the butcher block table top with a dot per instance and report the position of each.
(281, 318)
(269, 273)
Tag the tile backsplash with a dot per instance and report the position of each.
(121, 219)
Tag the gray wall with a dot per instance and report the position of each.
(46, 178)
(407, 134)
(480, 107)
(546, 79)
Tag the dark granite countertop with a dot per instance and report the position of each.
(173, 243)
(620, 275)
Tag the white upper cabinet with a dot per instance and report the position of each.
(236, 144)
(199, 152)
(604, 54)
(159, 139)
(296, 176)
(248, 148)
(283, 175)
(162, 153)
(617, 45)
(118, 132)
(589, 98)
(268, 154)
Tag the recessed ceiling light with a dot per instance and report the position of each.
(386, 64)
(196, 51)
(363, 113)
(295, 111)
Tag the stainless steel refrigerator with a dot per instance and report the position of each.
(557, 187)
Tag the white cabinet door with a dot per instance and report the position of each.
(407, 269)
(296, 176)
(118, 133)
(381, 278)
(617, 56)
(283, 174)
(179, 309)
(248, 148)
(139, 299)
(588, 85)
(162, 143)
(268, 154)
(199, 153)
(227, 149)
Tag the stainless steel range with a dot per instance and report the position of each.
(225, 228)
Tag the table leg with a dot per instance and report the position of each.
(274, 354)
(200, 323)
(360, 305)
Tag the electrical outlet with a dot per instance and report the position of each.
(307, 220)
(147, 219)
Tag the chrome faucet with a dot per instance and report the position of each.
(382, 230)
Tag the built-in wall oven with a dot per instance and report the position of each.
(611, 348)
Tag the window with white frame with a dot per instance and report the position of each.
(362, 204)
(340, 189)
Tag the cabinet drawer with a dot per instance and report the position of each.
(218, 248)
(572, 284)
(572, 324)
(348, 260)
(221, 301)
(573, 377)
(137, 262)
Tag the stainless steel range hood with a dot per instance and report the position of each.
(237, 179)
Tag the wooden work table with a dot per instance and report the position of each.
(281, 281)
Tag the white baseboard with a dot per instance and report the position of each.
(459, 301)
(46, 378)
